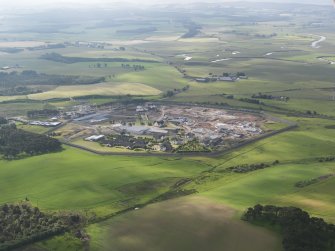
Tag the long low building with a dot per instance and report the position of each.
(45, 123)
(94, 137)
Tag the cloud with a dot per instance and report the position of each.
(34, 3)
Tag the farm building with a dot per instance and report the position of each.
(94, 137)
(228, 79)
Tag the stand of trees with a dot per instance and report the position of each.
(22, 224)
(14, 142)
(193, 29)
(300, 231)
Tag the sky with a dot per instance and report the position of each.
(27, 3)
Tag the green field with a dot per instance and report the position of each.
(272, 46)
(212, 223)
(77, 180)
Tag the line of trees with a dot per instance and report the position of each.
(327, 159)
(246, 168)
(305, 183)
(171, 93)
(251, 101)
(134, 67)
(300, 231)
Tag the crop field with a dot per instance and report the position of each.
(279, 62)
(107, 89)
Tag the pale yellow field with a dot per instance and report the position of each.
(96, 89)
(163, 38)
(199, 40)
(21, 44)
(8, 98)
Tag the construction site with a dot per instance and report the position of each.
(162, 128)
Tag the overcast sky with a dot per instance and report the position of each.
(25, 3)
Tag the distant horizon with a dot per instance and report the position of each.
(17, 4)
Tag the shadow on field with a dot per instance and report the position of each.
(189, 224)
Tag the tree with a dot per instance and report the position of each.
(3, 121)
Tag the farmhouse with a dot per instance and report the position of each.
(202, 80)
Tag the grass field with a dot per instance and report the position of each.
(194, 223)
(276, 186)
(97, 89)
(77, 180)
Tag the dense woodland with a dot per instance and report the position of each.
(300, 231)
(14, 142)
(193, 29)
(22, 224)
(27, 77)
